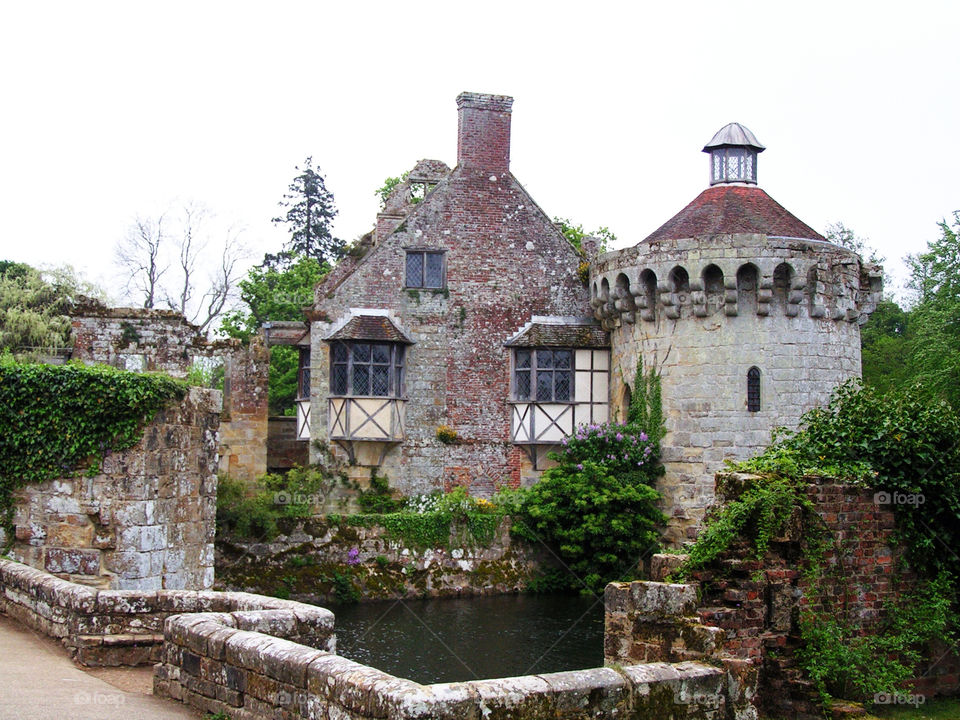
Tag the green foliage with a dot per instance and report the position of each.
(843, 662)
(921, 344)
(622, 449)
(758, 514)
(904, 445)
(378, 498)
(447, 435)
(271, 294)
(35, 307)
(599, 523)
(575, 234)
(310, 212)
(59, 418)
(253, 511)
(646, 405)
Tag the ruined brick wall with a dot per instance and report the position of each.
(797, 322)
(505, 262)
(146, 521)
(135, 338)
(756, 604)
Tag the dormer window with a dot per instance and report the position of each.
(733, 155)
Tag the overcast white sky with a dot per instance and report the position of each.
(115, 109)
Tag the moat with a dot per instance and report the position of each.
(448, 640)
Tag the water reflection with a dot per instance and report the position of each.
(430, 641)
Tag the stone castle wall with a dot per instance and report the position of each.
(145, 521)
(702, 312)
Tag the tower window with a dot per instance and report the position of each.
(753, 389)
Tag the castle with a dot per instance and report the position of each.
(461, 343)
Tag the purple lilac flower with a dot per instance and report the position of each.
(353, 557)
(643, 436)
(619, 437)
(579, 466)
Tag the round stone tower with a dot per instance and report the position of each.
(750, 316)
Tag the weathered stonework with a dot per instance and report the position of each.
(307, 553)
(145, 521)
(244, 426)
(703, 311)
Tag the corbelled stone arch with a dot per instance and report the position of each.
(748, 285)
(623, 301)
(647, 300)
(782, 284)
(678, 282)
(713, 289)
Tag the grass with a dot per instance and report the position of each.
(939, 709)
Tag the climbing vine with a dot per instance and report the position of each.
(58, 420)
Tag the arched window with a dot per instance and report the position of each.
(753, 389)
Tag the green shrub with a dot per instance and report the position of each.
(843, 662)
(600, 524)
(378, 498)
(59, 419)
(904, 444)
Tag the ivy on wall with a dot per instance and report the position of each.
(58, 419)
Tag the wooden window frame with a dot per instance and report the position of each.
(424, 252)
(533, 370)
(396, 365)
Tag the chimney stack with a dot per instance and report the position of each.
(483, 137)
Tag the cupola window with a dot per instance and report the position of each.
(733, 155)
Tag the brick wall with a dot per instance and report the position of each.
(756, 604)
(505, 263)
(145, 521)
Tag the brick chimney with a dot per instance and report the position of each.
(483, 138)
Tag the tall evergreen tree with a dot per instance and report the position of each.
(310, 210)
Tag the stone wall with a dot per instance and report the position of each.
(145, 521)
(244, 423)
(307, 555)
(283, 449)
(126, 627)
(704, 311)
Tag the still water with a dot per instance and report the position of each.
(430, 641)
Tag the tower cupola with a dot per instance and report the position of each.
(733, 155)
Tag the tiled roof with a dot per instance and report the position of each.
(378, 328)
(571, 336)
(733, 209)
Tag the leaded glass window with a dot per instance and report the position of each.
(366, 369)
(425, 269)
(753, 389)
(303, 374)
(733, 164)
(542, 374)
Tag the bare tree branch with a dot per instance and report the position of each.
(138, 256)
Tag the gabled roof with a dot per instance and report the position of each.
(727, 209)
(375, 328)
(573, 335)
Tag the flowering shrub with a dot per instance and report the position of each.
(622, 450)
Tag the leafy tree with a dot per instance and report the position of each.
(886, 347)
(310, 211)
(272, 293)
(35, 307)
(576, 234)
